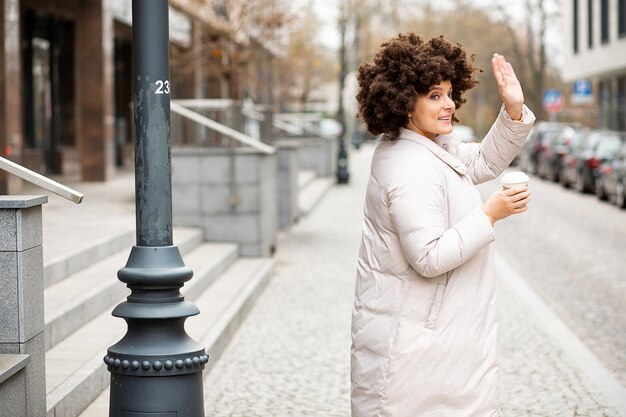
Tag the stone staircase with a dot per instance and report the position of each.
(311, 190)
(83, 248)
(82, 288)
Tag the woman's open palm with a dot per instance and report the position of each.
(508, 84)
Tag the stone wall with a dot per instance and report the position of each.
(21, 309)
(230, 194)
(287, 183)
(318, 154)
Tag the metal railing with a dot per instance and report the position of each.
(229, 132)
(299, 123)
(227, 111)
(41, 181)
(217, 122)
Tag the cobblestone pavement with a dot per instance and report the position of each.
(570, 248)
(291, 356)
(537, 379)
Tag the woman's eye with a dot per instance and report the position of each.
(434, 97)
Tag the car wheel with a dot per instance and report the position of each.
(579, 184)
(600, 190)
(563, 180)
(620, 198)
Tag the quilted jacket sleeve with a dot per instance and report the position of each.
(417, 210)
(487, 160)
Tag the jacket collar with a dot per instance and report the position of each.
(435, 148)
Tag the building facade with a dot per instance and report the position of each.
(66, 87)
(595, 51)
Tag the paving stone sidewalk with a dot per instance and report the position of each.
(291, 356)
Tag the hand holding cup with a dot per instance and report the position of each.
(514, 180)
(512, 199)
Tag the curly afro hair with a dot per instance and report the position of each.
(405, 67)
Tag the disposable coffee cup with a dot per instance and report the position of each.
(514, 180)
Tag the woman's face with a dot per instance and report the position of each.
(433, 111)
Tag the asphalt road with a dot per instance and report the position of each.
(571, 249)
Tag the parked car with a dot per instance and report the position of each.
(556, 145)
(464, 133)
(537, 138)
(581, 169)
(568, 168)
(611, 177)
(575, 169)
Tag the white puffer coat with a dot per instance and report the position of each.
(424, 318)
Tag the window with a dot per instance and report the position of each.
(575, 25)
(621, 103)
(621, 18)
(604, 21)
(590, 23)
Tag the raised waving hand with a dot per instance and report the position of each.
(509, 86)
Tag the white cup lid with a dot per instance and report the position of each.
(514, 178)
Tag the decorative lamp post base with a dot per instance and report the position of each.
(181, 396)
(156, 369)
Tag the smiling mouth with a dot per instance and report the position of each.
(445, 119)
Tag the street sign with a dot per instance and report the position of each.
(582, 92)
(552, 100)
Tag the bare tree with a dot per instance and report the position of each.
(530, 48)
(239, 37)
(307, 66)
(484, 31)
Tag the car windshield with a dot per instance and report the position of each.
(565, 136)
(591, 140)
(609, 143)
(577, 138)
(549, 136)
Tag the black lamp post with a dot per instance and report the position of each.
(156, 369)
(342, 173)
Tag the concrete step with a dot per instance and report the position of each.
(75, 373)
(10, 364)
(309, 196)
(223, 306)
(305, 176)
(59, 266)
(228, 303)
(75, 300)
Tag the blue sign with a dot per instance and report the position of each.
(582, 92)
(552, 100)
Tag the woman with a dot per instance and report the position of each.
(424, 318)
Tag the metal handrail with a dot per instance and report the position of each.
(222, 104)
(218, 127)
(301, 120)
(206, 103)
(288, 127)
(213, 104)
(40, 180)
(301, 117)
